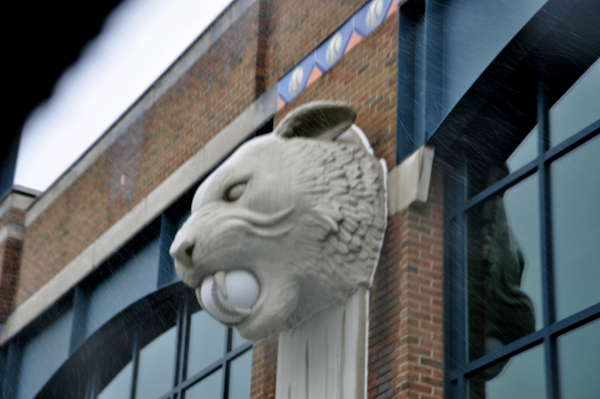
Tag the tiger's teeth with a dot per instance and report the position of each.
(243, 311)
(220, 282)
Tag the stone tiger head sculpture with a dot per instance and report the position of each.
(291, 223)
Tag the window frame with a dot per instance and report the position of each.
(187, 307)
(182, 383)
(145, 321)
(458, 204)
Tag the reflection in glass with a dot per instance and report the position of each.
(206, 342)
(240, 377)
(578, 108)
(208, 388)
(525, 152)
(579, 362)
(120, 386)
(504, 289)
(575, 199)
(156, 365)
(523, 216)
(488, 166)
(521, 377)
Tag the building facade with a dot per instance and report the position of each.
(487, 284)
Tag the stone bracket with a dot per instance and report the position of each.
(409, 181)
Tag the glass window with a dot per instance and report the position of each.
(521, 377)
(156, 367)
(212, 350)
(145, 357)
(487, 168)
(43, 354)
(207, 342)
(526, 151)
(208, 388)
(525, 248)
(576, 217)
(504, 284)
(240, 377)
(237, 340)
(578, 108)
(523, 217)
(579, 362)
(120, 386)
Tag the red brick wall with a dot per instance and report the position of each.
(10, 262)
(12, 216)
(405, 337)
(264, 368)
(365, 77)
(205, 100)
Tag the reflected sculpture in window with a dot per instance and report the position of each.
(500, 312)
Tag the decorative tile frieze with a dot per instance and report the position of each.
(331, 50)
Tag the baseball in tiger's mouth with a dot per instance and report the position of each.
(229, 296)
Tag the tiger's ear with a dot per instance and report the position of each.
(319, 120)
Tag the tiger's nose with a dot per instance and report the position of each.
(182, 250)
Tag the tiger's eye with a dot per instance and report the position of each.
(234, 192)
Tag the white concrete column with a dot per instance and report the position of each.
(326, 356)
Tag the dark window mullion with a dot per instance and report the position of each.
(191, 380)
(216, 365)
(225, 380)
(461, 266)
(457, 298)
(572, 142)
(451, 239)
(548, 297)
(461, 387)
(240, 350)
(224, 384)
(136, 361)
(461, 330)
(577, 320)
(181, 353)
(508, 351)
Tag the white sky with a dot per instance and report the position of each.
(139, 41)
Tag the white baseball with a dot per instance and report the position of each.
(374, 13)
(334, 47)
(242, 291)
(296, 79)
